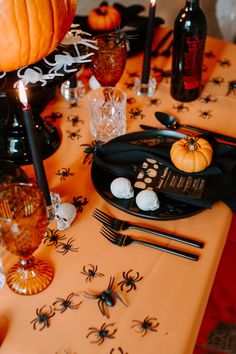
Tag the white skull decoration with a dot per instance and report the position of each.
(65, 215)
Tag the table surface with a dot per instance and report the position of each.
(171, 290)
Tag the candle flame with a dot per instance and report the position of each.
(22, 94)
(153, 3)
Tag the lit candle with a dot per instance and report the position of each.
(34, 145)
(148, 43)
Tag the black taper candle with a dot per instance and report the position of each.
(148, 43)
(34, 146)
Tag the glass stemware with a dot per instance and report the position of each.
(108, 62)
(23, 222)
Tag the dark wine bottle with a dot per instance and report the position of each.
(188, 52)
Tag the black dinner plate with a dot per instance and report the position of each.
(170, 209)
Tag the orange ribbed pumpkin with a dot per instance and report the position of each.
(32, 29)
(104, 18)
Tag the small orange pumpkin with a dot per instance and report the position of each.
(32, 29)
(191, 154)
(104, 18)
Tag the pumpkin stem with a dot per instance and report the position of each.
(101, 11)
(191, 143)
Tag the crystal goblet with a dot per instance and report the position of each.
(108, 61)
(23, 222)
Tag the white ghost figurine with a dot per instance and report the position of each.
(65, 215)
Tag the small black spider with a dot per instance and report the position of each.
(231, 87)
(54, 116)
(154, 101)
(102, 333)
(43, 317)
(133, 74)
(75, 135)
(64, 173)
(181, 108)
(136, 113)
(90, 150)
(224, 63)
(74, 119)
(129, 281)
(129, 85)
(131, 100)
(105, 298)
(161, 74)
(207, 99)
(120, 351)
(91, 272)
(217, 80)
(66, 247)
(63, 304)
(209, 54)
(52, 237)
(148, 324)
(78, 203)
(205, 114)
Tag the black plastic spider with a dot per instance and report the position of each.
(75, 135)
(102, 333)
(209, 54)
(90, 150)
(231, 87)
(74, 119)
(91, 272)
(43, 317)
(129, 85)
(205, 114)
(148, 324)
(52, 237)
(54, 116)
(181, 108)
(106, 298)
(133, 74)
(131, 100)
(224, 63)
(120, 351)
(64, 173)
(217, 80)
(66, 247)
(78, 203)
(207, 99)
(154, 101)
(63, 304)
(129, 281)
(161, 74)
(136, 113)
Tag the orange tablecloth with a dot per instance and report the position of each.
(171, 290)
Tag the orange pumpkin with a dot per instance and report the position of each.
(104, 18)
(32, 29)
(191, 154)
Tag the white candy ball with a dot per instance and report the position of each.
(147, 200)
(121, 188)
(93, 83)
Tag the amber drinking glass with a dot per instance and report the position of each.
(108, 61)
(23, 222)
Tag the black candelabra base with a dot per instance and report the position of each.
(13, 139)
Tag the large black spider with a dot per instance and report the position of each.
(129, 281)
(90, 150)
(205, 114)
(181, 108)
(75, 135)
(231, 87)
(52, 237)
(74, 119)
(136, 113)
(63, 304)
(91, 272)
(78, 203)
(102, 333)
(43, 317)
(64, 173)
(66, 247)
(106, 298)
(148, 324)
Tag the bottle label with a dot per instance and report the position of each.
(193, 62)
